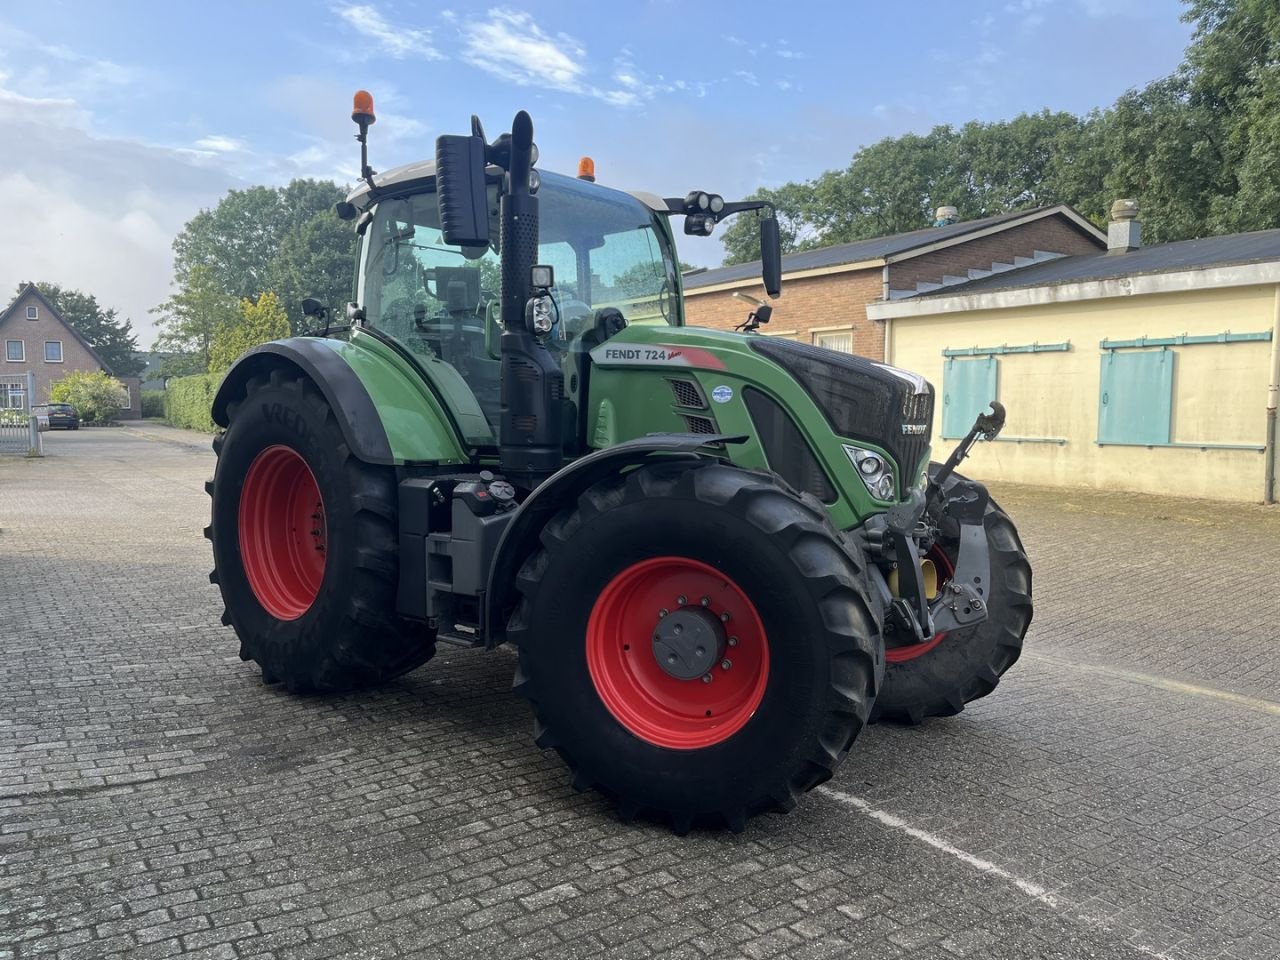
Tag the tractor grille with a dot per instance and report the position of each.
(861, 399)
(687, 394)
(785, 447)
(696, 424)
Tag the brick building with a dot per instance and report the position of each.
(826, 292)
(36, 339)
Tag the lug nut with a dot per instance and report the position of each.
(706, 678)
(681, 600)
(699, 651)
(662, 613)
(724, 617)
(733, 641)
(726, 664)
(671, 658)
(706, 601)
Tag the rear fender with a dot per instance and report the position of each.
(520, 538)
(359, 387)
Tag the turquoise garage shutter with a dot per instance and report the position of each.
(968, 387)
(1135, 404)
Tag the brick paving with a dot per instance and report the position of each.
(1117, 798)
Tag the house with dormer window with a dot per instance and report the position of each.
(38, 340)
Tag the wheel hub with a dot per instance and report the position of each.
(688, 642)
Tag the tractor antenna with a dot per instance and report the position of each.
(362, 114)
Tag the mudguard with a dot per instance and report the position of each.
(347, 397)
(565, 485)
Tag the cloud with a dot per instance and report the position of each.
(95, 213)
(510, 45)
(396, 40)
(220, 144)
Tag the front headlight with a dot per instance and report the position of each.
(875, 471)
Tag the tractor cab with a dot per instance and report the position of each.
(613, 264)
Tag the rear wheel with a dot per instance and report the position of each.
(697, 642)
(304, 545)
(938, 677)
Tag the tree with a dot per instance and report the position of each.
(284, 239)
(257, 323)
(189, 320)
(791, 202)
(112, 339)
(96, 396)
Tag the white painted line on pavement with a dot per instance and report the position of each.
(1033, 890)
(1162, 683)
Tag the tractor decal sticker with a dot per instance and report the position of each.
(654, 355)
(722, 394)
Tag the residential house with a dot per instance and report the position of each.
(36, 339)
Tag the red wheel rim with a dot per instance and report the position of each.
(282, 532)
(642, 696)
(909, 651)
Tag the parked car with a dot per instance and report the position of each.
(63, 416)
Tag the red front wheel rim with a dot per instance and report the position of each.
(282, 532)
(909, 651)
(659, 708)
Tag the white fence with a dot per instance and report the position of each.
(19, 432)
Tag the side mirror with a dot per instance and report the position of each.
(771, 256)
(311, 307)
(460, 190)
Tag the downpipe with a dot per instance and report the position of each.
(1273, 400)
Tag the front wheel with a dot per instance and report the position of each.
(938, 677)
(304, 545)
(697, 642)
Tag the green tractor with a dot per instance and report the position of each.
(718, 555)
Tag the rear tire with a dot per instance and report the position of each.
(809, 657)
(937, 679)
(305, 545)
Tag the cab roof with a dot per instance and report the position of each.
(426, 169)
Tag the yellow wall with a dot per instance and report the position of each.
(1220, 390)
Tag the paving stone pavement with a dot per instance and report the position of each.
(1117, 798)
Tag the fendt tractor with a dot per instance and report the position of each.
(718, 555)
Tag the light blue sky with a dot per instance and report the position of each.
(118, 121)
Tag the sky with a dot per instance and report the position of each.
(120, 121)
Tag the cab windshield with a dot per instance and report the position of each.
(441, 303)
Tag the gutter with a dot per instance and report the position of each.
(1273, 399)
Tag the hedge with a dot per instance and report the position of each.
(153, 403)
(188, 399)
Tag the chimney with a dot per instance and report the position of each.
(945, 216)
(1124, 232)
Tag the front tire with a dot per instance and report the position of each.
(305, 545)
(794, 659)
(937, 678)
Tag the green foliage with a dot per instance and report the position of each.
(188, 401)
(284, 239)
(13, 417)
(153, 403)
(96, 396)
(1199, 150)
(257, 323)
(111, 337)
(190, 318)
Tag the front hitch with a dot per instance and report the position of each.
(895, 537)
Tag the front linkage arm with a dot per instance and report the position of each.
(902, 527)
